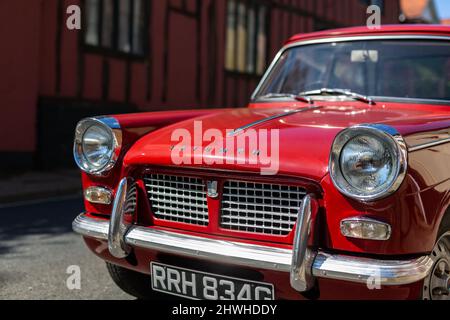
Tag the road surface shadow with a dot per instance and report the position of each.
(45, 219)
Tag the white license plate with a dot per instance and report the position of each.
(198, 285)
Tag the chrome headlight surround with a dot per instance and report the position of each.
(108, 125)
(385, 135)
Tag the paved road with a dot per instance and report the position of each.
(36, 247)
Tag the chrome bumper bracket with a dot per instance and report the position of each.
(117, 226)
(302, 256)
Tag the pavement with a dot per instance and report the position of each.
(37, 185)
(37, 246)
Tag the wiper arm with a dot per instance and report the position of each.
(301, 98)
(348, 93)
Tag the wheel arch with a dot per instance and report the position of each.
(443, 219)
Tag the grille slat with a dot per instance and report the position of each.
(177, 198)
(131, 200)
(177, 204)
(182, 218)
(287, 223)
(263, 198)
(260, 229)
(256, 215)
(161, 194)
(260, 208)
(265, 190)
(274, 206)
(184, 182)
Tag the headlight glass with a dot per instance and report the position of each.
(368, 163)
(97, 145)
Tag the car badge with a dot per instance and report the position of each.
(212, 189)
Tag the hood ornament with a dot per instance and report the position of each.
(277, 116)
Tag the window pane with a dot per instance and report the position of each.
(262, 41)
(230, 62)
(92, 15)
(400, 69)
(107, 21)
(124, 26)
(251, 30)
(139, 27)
(242, 38)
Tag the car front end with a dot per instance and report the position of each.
(335, 203)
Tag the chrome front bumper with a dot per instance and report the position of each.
(340, 267)
(302, 263)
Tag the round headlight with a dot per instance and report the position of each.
(368, 162)
(97, 145)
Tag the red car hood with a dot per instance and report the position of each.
(305, 138)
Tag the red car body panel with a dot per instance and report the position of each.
(385, 30)
(415, 211)
(422, 187)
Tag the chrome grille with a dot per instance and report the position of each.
(177, 198)
(131, 199)
(260, 208)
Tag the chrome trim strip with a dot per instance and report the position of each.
(110, 122)
(302, 257)
(91, 227)
(118, 227)
(339, 267)
(428, 145)
(284, 114)
(362, 270)
(338, 39)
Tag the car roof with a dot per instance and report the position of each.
(401, 29)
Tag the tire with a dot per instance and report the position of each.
(437, 284)
(134, 283)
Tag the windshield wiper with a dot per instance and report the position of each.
(343, 92)
(301, 98)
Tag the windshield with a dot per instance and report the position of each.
(390, 68)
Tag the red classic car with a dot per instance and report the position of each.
(332, 184)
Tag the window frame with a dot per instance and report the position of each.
(254, 96)
(114, 50)
(257, 6)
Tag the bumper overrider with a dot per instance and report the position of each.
(301, 262)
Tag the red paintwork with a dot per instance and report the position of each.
(417, 29)
(310, 161)
(415, 211)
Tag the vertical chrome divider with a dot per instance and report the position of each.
(117, 227)
(302, 257)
